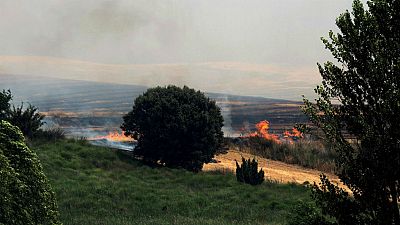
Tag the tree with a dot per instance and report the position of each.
(25, 194)
(29, 120)
(177, 127)
(360, 95)
(5, 98)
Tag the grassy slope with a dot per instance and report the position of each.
(97, 186)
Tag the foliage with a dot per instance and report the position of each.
(178, 127)
(306, 213)
(52, 133)
(5, 98)
(310, 154)
(28, 120)
(25, 195)
(365, 89)
(94, 185)
(337, 203)
(248, 172)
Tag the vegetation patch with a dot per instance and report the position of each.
(95, 185)
(309, 154)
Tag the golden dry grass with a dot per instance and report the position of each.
(274, 170)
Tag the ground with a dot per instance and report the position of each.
(274, 170)
(95, 185)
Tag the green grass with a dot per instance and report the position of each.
(95, 185)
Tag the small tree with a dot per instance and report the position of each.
(25, 194)
(5, 98)
(178, 127)
(29, 120)
(248, 173)
(366, 89)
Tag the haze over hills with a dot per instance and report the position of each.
(236, 78)
(87, 108)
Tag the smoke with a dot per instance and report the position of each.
(260, 48)
(226, 113)
(284, 32)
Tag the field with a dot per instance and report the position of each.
(94, 185)
(86, 108)
(274, 170)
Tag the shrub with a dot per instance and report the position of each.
(305, 213)
(248, 173)
(177, 127)
(50, 134)
(25, 194)
(28, 120)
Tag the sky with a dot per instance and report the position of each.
(257, 47)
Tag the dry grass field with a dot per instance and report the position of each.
(274, 170)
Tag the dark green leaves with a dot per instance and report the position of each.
(178, 127)
(25, 194)
(248, 172)
(358, 110)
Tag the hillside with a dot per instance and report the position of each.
(86, 108)
(94, 185)
(275, 170)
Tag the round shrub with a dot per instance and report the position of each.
(177, 127)
(25, 194)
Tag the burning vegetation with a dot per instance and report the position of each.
(114, 136)
(263, 132)
(114, 140)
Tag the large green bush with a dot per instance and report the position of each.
(25, 194)
(177, 127)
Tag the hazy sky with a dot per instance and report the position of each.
(283, 33)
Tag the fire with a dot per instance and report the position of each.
(294, 134)
(262, 131)
(115, 137)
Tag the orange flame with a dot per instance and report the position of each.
(262, 131)
(294, 134)
(114, 136)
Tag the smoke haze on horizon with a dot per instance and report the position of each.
(275, 43)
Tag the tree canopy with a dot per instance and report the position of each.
(178, 127)
(360, 95)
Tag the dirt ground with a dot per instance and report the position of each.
(274, 170)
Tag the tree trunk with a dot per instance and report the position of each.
(396, 213)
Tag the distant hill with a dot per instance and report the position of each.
(266, 80)
(81, 105)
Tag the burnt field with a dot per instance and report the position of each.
(86, 108)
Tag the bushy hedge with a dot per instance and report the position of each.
(25, 194)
